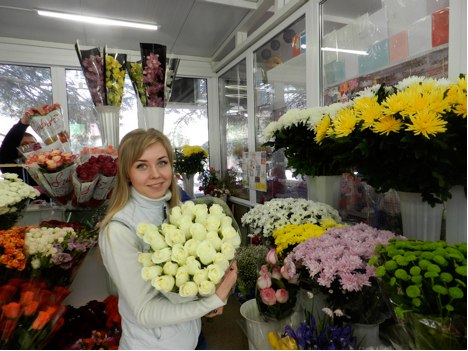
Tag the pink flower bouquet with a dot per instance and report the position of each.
(276, 292)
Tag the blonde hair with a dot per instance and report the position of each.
(130, 149)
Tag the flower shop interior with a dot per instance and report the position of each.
(329, 134)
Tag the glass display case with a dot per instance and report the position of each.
(279, 85)
(381, 41)
(234, 128)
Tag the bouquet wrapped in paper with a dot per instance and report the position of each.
(188, 256)
(47, 121)
(53, 170)
(92, 64)
(114, 77)
(94, 180)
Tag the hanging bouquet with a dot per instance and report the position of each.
(336, 264)
(276, 292)
(189, 159)
(47, 121)
(188, 256)
(264, 219)
(425, 285)
(14, 195)
(327, 333)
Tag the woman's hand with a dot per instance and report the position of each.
(230, 277)
(216, 312)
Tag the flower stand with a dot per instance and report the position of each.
(420, 221)
(257, 329)
(153, 117)
(455, 216)
(325, 189)
(109, 124)
(188, 180)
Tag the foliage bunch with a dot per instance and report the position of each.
(190, 159)
(425, 277)
(249, 258)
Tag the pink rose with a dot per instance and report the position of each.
(276, 273)
(264, 280)
(268, 296)
(272, 257)
(282, 295)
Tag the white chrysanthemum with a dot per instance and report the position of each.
(406, 82)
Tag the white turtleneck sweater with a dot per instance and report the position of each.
(149, 320)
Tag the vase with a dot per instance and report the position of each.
(109, 124)
(188, 181)
(256, 328)
(455, 216)
(367, 335)
(325, 189)
(419, 220)
(312, 302)
(152, 117)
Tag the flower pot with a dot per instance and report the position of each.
(367, 335)
(109, 124)
(313, 302)
(153, 117)
(257, 329)
(455, 216)
(188, 181)
(326, 189)
(419, 220)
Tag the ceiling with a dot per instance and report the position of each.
(187, 27)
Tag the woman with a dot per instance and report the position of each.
(144, 189)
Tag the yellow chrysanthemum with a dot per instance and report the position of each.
(394, 104)
(457, 97)
(279, 343)
(321, 129)
(424, 97)
(386, 125)
(188, 150)
(426, 123)
(344, 123)
(368, 110)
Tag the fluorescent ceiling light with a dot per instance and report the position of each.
(356, 52)
(97, 20)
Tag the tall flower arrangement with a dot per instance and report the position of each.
(190, 159)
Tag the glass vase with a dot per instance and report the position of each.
(109, 124)
(325, 189)
(188, 180)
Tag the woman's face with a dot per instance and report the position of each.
(151, 174)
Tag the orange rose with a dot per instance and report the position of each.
(29, 308)
(11, 310)
(41, 320)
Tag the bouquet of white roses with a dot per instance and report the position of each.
(14, 194)
(188, 256)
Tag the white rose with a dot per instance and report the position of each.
(198, 231)
(162, 255)
(206, 288)
(216, 209)
(213, 222)
(226, 221)
(232, 236)
(192, 265)
(181, 276)
(206, 252)
(200, 210)
(191, 246)
(213, 237)
(142, 228)
(200, 275)
(184, 225)
(187, 209)
(189, 289)
(179, 254)
(170, 268)
(202, 219)
(35, 263)
(145, 259)
(228, 250)
(175, 216)
(157, 242)
(164, 283)
(149, 273)
(174, 236)
(221, 261)
(214, 273)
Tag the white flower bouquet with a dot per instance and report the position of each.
(14, 195)
(188, 256)
(264, 219)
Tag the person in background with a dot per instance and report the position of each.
(144, 190)
(16, 137)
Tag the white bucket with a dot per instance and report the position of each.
(257, 329)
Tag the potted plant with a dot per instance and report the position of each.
(425, 284)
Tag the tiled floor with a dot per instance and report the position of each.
(225, 332)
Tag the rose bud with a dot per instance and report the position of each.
(282, 295)
(276, 273)
(268, 296)
(264, 280)
(272, 257)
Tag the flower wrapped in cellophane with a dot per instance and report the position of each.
(52, 170)
(47, 121)
(188, 256)
(92, 64)
(14, 195)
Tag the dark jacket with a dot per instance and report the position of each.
(9, 152)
